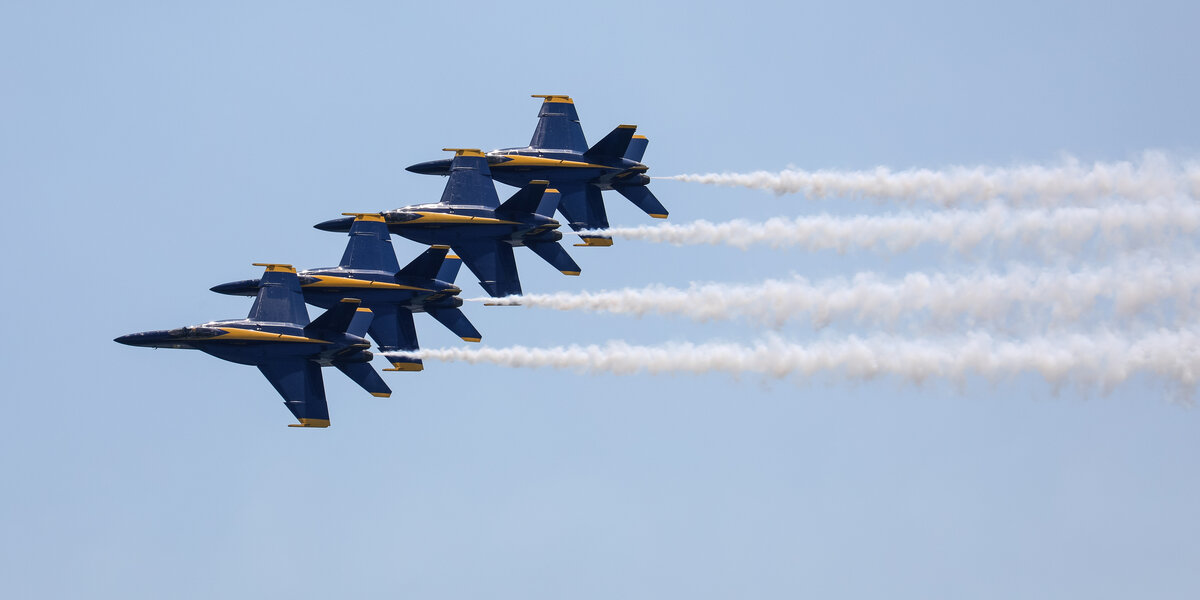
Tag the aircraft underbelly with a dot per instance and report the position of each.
(559, 176)
(253, 353)
(329, 297)
(452, 234)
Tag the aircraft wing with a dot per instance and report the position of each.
(493, 263)
(470, 181)
(279, 297)
(558, 125)
(299, 381)
(370, 245)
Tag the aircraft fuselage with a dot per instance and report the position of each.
(253, 343)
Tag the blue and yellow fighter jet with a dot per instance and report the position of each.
(559, 154)
(369, 271)
(278, 339)
(483, 231)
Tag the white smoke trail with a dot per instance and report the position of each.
(1154, 176)
(1065, 297)
(1119, 226)
(1102, 360)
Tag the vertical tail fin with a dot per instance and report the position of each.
(614, 145)
(527, 199)
(426, 265)
(450, 267)
(637, 148)
(343, 317)
(549, 203)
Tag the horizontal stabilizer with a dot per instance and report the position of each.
(637, 148)
(449, 271)
(426, 265)
(493, 263)
(339, 318)
(526, 200)
(402, 362)
(394, 332)
(366, 377)
(583, 208)
(556, 255)
(457, 322)
(644, 199)
(614, 145)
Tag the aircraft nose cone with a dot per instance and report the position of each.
(343, 224)
(237, 288)
(144, 338)
(433, 167)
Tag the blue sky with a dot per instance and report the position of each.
(150, 151)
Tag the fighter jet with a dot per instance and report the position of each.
(559, 154)
(369, 271)
(472, 221)
(277, 338)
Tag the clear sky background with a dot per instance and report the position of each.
(151, 150)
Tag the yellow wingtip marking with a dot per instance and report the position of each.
(464, 151)
(382, 394)
(659, 216)
(273, 267)
(366, 310)
(310, 423)
(409, 367)
(467, 339)
(374, 217)
(639, 137)
(453, 256)
(440, 247)
(596, 242)
(626, 126)
(552, 191)
(569, 272)
(554, 98)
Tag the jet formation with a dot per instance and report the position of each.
(369, 294)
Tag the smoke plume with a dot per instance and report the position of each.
(1101, 360)
(1155, 176)
(983, 297)
(1118, 226)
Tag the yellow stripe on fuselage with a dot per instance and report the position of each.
(254, 335)
(516, 160)
(425, 218)
(346, 282)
